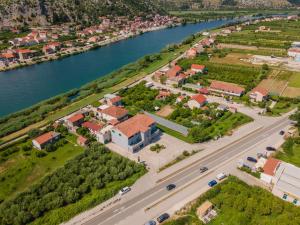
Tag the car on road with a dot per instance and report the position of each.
(269, 148)
(170, 187)
(251, 159)
(221, 176)
(124, 190)
(212, 183)
(151, 222)
(163, 217)
(203, 169)
(281, 132)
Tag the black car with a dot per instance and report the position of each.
(251, 159)
(203, 169)
(163, 217)
(170, 187)
(281, 132)
(269, 148)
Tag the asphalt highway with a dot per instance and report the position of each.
(184, 176)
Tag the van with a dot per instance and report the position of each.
(221, 176)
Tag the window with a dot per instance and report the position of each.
(295, 201)
(284, 196)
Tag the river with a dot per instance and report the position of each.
(26, 86)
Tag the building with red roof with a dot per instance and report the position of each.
(112, 99)
(259, 94)
(82, 141)
(75, 120)
(93, 127)
(191, 53)
(45, 139)
(113, 113)
(198, 68)
(135, 133)
(225, 88)
(174, 71)
(197, 101)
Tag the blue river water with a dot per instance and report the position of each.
(26, 86)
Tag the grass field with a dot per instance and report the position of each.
(174, 133)
(21, 170)
(237, 203)
(290, 153)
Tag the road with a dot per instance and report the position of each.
(180, 178)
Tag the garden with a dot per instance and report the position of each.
(238, 203)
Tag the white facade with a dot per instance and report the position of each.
(194, 104)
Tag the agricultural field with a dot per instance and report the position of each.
(21, 165)
(281, 35)
(247, 76)
(238, 203)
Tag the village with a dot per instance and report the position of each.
(43, 44)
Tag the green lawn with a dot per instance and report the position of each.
(291, 152)
(174, 133)
(240, 204)
(21, 170)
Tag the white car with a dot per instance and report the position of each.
(221, 176)
(124, 190)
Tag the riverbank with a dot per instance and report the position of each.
(78, 50)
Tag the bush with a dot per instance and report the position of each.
(40, 154)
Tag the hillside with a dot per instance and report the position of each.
(218, 4)
(42, 12)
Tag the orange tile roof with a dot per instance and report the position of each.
(115, 111)
(136, 124)
(76, 118)
(197, 67)
(271, 166)
(199, 98)
(224, 86)
(115, 99)
(92, 126)
(81, 139)
(261, 90)
(173, 71)
(46, 137)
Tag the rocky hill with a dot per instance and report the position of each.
(218, 4)
(42, 12)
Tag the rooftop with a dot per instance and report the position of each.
(199, 98)
(46, 137)
(224, 86)
(76, 118)
(271, 166)
(92, 126)
(115, 111)
(136, 124)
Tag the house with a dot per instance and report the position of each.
(112, 99)
(206, 212)
(269, 170)
(197, 101)
(294, 52)
(225, 88)
(101, 133)
(193, 87)
(177, 80)
(198, 68)
(45, 139)
(75, 121)
(286, 183)
(203, 91)
(135, 133)
(113, 113)
(24, 54)
(8, 57)
(82, 141)
(162, 95)
(51, 48)
(191, 53)
(179, 99)
(174, 71)
(259, 94)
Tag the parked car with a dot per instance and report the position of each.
(163, 217)
(281, 132)
(151, 222)
(212, 183)
(269, 148)
(221, 176)
(261, 155)
(251, 159)
(203, 169)
(170, 187)
(124, 190)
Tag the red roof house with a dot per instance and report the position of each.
(226, 88)
(45, 139)
(197, 101)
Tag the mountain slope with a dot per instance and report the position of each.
(41, 12)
